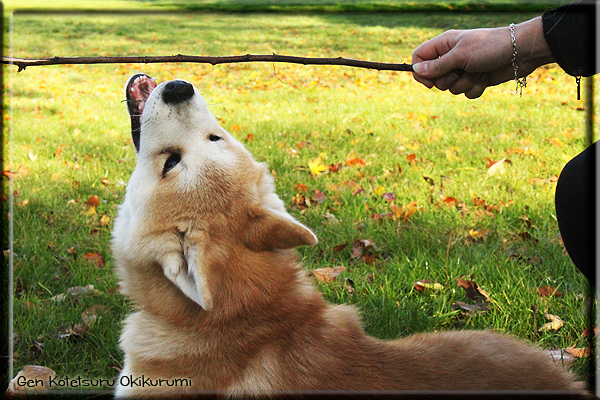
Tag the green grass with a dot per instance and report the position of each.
(70, 130)
(334, 6)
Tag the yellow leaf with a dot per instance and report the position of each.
(316, 166)
(91, 211)
(557, 142)
(555, 323)
(104, 220)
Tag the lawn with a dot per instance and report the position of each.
(400, 183)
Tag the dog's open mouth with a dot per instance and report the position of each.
(137, 92)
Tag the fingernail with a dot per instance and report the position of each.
(420, 68)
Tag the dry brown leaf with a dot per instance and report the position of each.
(579, 351)
(548, 291)
(327, 274)
(473, 291)
(362, 246)
(36, 376)
(76, 291)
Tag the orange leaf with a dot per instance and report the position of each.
(300, 187)
(94, 257)
(93, 201)
(411, 157)
(355, 162)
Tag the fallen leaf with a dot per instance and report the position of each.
(498, 167)
(451, 201)
(94, 257)
(473, 291)
(356, 162)
(549, 291)
(555, 323)
(300, 187)
(327, 274)
(335, 167)
(105, 181)
(360, 247)
(426, 284)
(76, 291)
(579, 352)
(587, 331)
(557, 142)
(479, 202)
(38, 375)
(104, 220)
(300, 201)
(316, 166)
(389, 197)
(319, 196)
(93, 201)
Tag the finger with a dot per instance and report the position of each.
(426, 82)
(447, 81)
(477, 90)
(465, 83)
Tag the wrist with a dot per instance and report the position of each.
(532, 48)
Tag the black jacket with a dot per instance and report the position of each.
(570, 32)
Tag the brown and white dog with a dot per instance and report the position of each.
(204, 250)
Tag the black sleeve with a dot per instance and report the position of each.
(570, 32)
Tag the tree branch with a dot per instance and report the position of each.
(24, 63)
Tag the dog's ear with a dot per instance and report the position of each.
(271, 229)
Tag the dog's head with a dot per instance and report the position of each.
(192, 174)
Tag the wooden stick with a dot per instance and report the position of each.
(24, 63)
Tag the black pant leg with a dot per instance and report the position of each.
(575, 202)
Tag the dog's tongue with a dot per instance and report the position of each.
(137, 91)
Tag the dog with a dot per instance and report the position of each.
(204, 249)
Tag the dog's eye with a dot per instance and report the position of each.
(214, 138)
(171, 162)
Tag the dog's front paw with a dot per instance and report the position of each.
(173, 266)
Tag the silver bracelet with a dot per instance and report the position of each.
(521, 82)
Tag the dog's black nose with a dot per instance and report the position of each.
(177, 91)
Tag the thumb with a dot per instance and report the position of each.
(438, 67)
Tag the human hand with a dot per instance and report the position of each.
(469, 61)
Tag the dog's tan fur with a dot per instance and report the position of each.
(266, 327)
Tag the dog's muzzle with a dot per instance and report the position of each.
(177, 91)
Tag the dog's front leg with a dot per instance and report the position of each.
(176, 270)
